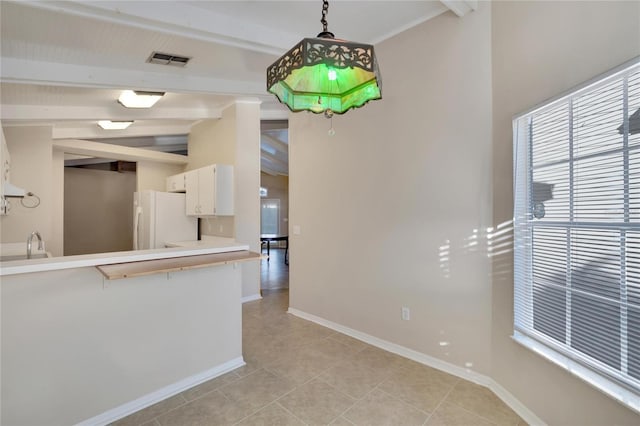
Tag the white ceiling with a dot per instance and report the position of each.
(64, 63)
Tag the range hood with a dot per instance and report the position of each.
(13, 191)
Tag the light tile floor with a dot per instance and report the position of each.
(274, 273)
(300, 373)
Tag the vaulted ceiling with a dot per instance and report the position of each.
(64, 63)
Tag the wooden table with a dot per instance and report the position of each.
(267, 238)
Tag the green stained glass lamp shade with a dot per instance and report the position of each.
(320, 74)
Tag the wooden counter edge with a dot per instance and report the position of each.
(147, 267)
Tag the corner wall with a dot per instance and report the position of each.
(213, 142)
(392, 208)
(541, 50)
(234, 139)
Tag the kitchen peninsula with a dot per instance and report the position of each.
(80, 348)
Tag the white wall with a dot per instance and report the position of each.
(75, 346)
(31, 170)
(388, 206)
(540, 50)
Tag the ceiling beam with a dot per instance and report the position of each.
(277, 144)
(57, 74)
(116, 152)
(95, 132)
(274, 159)
(268, 171)
(274, 166)
(113, 112)
(460, 7)
(273, 112)
(188, 21)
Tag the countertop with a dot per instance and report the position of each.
(147, 267)
(80, 261)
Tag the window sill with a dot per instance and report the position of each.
(603, 384)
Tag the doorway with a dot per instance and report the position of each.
(98, 206)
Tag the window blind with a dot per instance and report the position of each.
(577, 232)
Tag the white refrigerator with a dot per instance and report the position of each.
(160, 217)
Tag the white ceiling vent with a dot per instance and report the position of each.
(168, 59)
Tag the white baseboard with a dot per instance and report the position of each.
(517, 406)
(464, 373)
(251, 298)
(161, 394)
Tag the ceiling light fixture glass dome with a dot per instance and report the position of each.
(325, 74)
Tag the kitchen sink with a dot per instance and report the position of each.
(7, 258)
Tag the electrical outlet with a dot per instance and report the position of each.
(406, 313)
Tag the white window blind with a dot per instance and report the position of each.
(577, 232)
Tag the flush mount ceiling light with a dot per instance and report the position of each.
(114, 125)
(139, 98)
(325, 74)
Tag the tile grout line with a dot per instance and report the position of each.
(356, 400)
(409, 403)
(155, 418)
(474, 413)
(202, 396)
(441, 401)
(317, 377)
(288, 411)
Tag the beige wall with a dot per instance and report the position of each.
(412, 176)
(234, 139)
(213, 142)
(98, 211)
(153, 176)
(540, 50)
(278, 188)
(31, 170)
(388, 206)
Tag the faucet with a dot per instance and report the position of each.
(40, 247)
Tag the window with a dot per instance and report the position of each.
(577, 232)
(270, 216)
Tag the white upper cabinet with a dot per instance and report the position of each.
(177, 183)
(210, 191)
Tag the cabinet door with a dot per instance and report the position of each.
(207, 190)
(192, 189)
(176, 183)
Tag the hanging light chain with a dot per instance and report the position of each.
(325, 10)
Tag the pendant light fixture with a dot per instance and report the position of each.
(325, 74)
